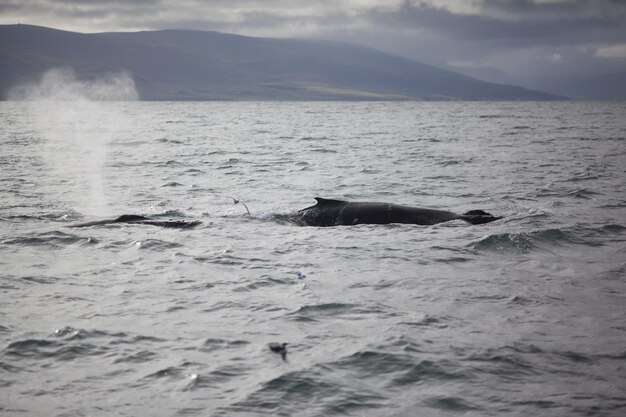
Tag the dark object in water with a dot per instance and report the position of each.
(279, 348)
(136, 219)
(345, 213)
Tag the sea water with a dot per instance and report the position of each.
(521, 317)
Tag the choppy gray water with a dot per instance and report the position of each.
(521, 317)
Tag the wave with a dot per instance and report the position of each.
(170, 163)
(138, 357)
(505, 242)
(59, 350)
(171, 213)
(322, 150)
(261, 282)
(62, 216)
(288, 393)
(524, 242)
(68, 343)
(212, 345)
(157, 244)
(450, 404)
(581, 193)
(52, 240)
(508, 362)
(505, 362)
(428, 321)
(321, 389)
(317, 311)
(405, 369)
(168, 140)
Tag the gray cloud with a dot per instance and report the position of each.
(521, 37)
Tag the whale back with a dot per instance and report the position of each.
(479, 217)
(328, 202)
(476, 213)
(137, 219)
(330, 212)
(127, 218)
(324, 213)
(386, 213)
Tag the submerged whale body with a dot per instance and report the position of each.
(345, 213)
(136, 219)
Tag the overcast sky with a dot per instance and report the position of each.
(526, 39)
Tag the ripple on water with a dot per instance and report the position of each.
(39, 280)
(429, 321)
(293, 392)
(68, 344)
(170, 372)
(172, 184)
(321, 311)
(51, 240)
(138, 357)
(450, 404)
(525, 242)
(403, 368)
(178, 373)
(157, 245)
(265, 281)
(212, 345)
(40, 349)
(171, 213)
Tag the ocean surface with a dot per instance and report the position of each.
(525, 316)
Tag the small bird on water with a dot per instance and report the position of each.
(279, 348)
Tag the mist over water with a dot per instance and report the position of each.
(520, 317)
(75, 121)
(61, 84)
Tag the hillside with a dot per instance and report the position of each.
(606, 87)
(195, 65)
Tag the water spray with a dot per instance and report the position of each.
(77, 129)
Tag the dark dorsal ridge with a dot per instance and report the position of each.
(131, 218)
(477, 213)
(321, 202)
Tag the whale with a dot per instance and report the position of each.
(137, 219)
(329, 212)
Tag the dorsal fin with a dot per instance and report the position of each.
(328, 202)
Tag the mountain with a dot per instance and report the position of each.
(601, 87)
(606, 87)
(485, 73)
(195, 65)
